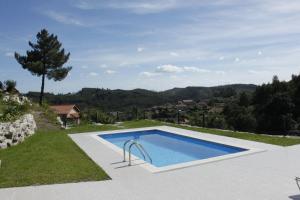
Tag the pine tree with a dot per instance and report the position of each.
(46, 59)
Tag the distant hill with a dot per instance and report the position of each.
(201, 93)
(110, 100)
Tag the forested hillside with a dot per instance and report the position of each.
(121, 100)
(272, 108)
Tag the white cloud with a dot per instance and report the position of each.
(146, 7)
(134, 6)
(140, 49)
(169, 69)
(177, 69)
(253, 72)
(93, 74)
(84, 4)
(121, 57)
(149, 74)
(9, 54)
(64, 18)
(257, 72)
(288, 6)
(220, 72)
(110, 71)
(84, 67)
(103, 66)
(259, 53)
(237, 59)
(221, 58)
(174, 54)
(174, 77)
(195, 69)
(124, 63)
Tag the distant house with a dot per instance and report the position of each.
(180, 106)
(67, 113)
(202, 104)
(187, 102)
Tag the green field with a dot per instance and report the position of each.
(52, 157)
(275, 140)
(47, 158)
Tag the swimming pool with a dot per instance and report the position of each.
(170, 149)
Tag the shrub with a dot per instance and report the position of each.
(239, 117)
(10, 85)
(216, 122)
(98, 117)
(12, 110)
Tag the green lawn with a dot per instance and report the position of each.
(47, 158)
(52, 157)
(276, 140)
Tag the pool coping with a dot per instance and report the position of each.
(188, 133)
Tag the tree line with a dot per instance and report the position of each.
(273, 108)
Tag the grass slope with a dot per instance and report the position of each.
(275, 140)
(50, 157)
(47, 158)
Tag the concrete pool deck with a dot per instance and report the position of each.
(267, 175)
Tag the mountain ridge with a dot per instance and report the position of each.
(119, 99)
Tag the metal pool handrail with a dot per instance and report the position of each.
(124, 151)
(297, 179)
(145, 152)
(140, 147)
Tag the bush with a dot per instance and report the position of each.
(216, 122)
(12, 110)
(245, 122)
(195, 119)
(10, 85)
(276, 114)
(239, 117)
(98, 117)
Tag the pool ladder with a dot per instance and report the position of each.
(138, 146)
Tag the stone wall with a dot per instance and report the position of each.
(12, 133)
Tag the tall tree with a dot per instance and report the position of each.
(46, 59)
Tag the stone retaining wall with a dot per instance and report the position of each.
(12, 133)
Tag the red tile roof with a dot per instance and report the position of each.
(63, 109)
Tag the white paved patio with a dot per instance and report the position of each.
(266, 175)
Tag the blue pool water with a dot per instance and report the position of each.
(167, 148)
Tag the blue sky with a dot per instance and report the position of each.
(158, 44)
